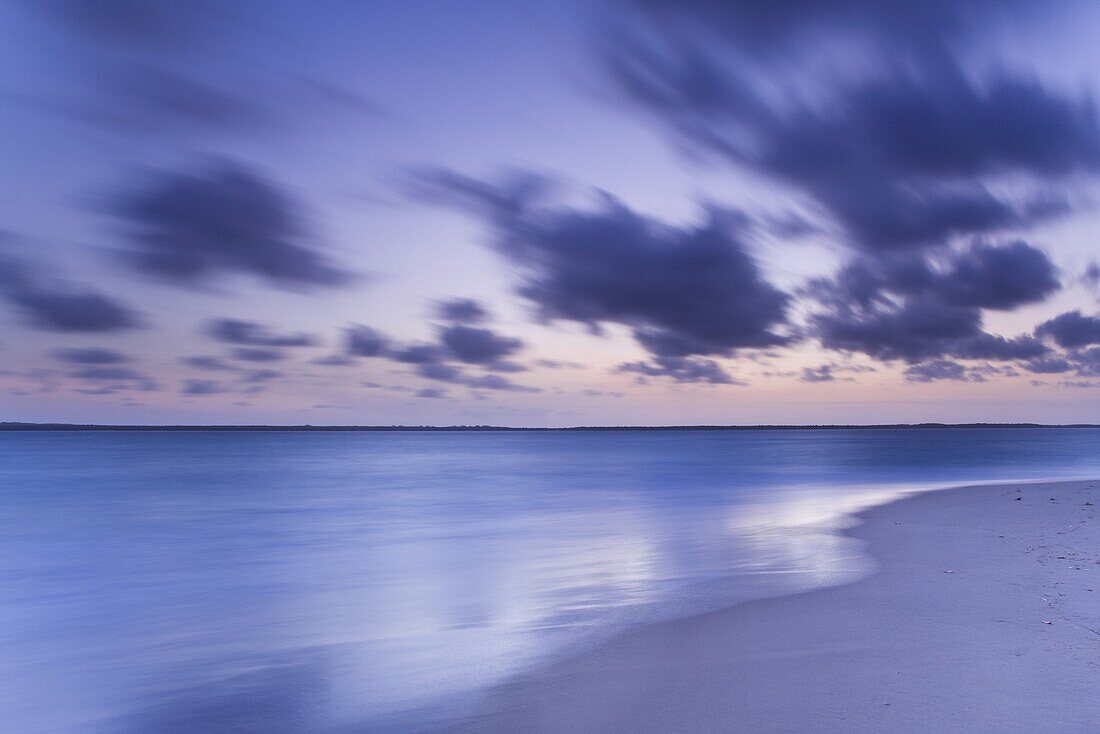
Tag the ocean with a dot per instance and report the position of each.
(381, 581)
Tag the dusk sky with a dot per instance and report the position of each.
(569, 213)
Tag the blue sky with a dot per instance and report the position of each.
(662, 213)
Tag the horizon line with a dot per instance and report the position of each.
(36, 426)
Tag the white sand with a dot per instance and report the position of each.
(949, 635)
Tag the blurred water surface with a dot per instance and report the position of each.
(337, 582)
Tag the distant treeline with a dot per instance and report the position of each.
(14, 426)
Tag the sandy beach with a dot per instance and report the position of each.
(983, 615)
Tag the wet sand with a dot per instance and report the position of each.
(983, 615)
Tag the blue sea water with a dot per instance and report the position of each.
(338, 582)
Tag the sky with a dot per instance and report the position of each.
(602, 212)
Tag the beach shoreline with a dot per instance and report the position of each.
(983, 615)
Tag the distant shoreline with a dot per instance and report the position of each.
(17, 426)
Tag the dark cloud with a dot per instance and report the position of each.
(1081, 362)
(436, 361)
(504, 365)
(258, 354)
(181, 71)
(1072, 329)
(994, 347)
(906, 148)
(55, 305)
(90, 355)
(461, 311)
(363, 341)
(999, 278)
(681, 369)
(192, 387)
(206, 362)
(683, 290)
(557, 364)
(73, 310)
(920, 306)
(827, 372)
(1091, 276)
(940, 369)
(902, 155)
(431, 392)
(919, 330)
(594, 393)
(141, 23)
(1081, 384)
(1048, 365)
(189, 228)
(450, 373)
(440, 371)
(774, 28)
(419, 354)
(821, 373)
(945, 369)
(496, 382)
(253, 334)
(100, 390)
(262, 375)
(121, 52)
(457, 342)
(1086, 361)
(476, 345)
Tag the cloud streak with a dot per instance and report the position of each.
(254, 334)
(52, 304)
(917, 306)
(904, 155)
(190, 228)
(458, 344)
(682, 290)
